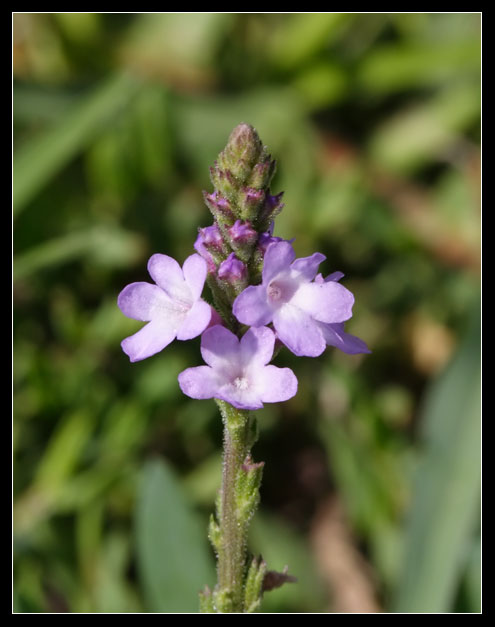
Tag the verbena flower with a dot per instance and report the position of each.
(295, 303)
(173, 307)
(237, 370)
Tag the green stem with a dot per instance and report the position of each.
(233, 513)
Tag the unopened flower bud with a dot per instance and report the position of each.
(232, 270)
(223, 180)
(250, 202)
(212, 237)
(262, 173)
(209, 244)
(220, 207)
(242, 151)
(242, 233)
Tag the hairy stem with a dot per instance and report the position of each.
(238, 499)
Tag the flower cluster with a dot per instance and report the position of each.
(255, 280)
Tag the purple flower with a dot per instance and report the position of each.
(295, 303)
(173, 307)
(237, 371)
(334, 334)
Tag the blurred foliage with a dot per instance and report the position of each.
(374, 119)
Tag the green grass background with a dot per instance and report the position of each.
(374, 120)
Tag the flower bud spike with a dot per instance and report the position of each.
(242, 152)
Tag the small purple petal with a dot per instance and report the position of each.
(251, 306)
(325, 302)
(195, 270)
(240, 393)
(167, 274)
(257, 346)
(219, 347)
(335, 335)
(141, 301)
(200, 382)
(308, 266)
(196, 321)
(298, 331)
(151, 339)
(335, 276)
(278, 258)
(278, 384)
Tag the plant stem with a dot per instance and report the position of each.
(238, 499)
(231, 561)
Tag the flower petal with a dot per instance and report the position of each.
(278, 258)
(239, 396)
(257, 346)
(200, 382)
(325, 302)
(251, 306)
(335, 335)
(195, 269)
(167, 274)
(277, 384)
(220, 349)
(151, 339)
(141, 301)
(298, 331)
(196, 321)
(308, 266)
(335, 276)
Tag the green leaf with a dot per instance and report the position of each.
(173, 556)
(39, 160)
(447, 491)
(425, 131)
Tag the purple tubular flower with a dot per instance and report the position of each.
(237, 371)
(173, 307)
(334, 334)
(232, 269)
(295, 303)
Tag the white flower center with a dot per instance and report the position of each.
(281, 290)
(241, 383)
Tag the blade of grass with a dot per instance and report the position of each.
(40, 159)
(446, 500)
